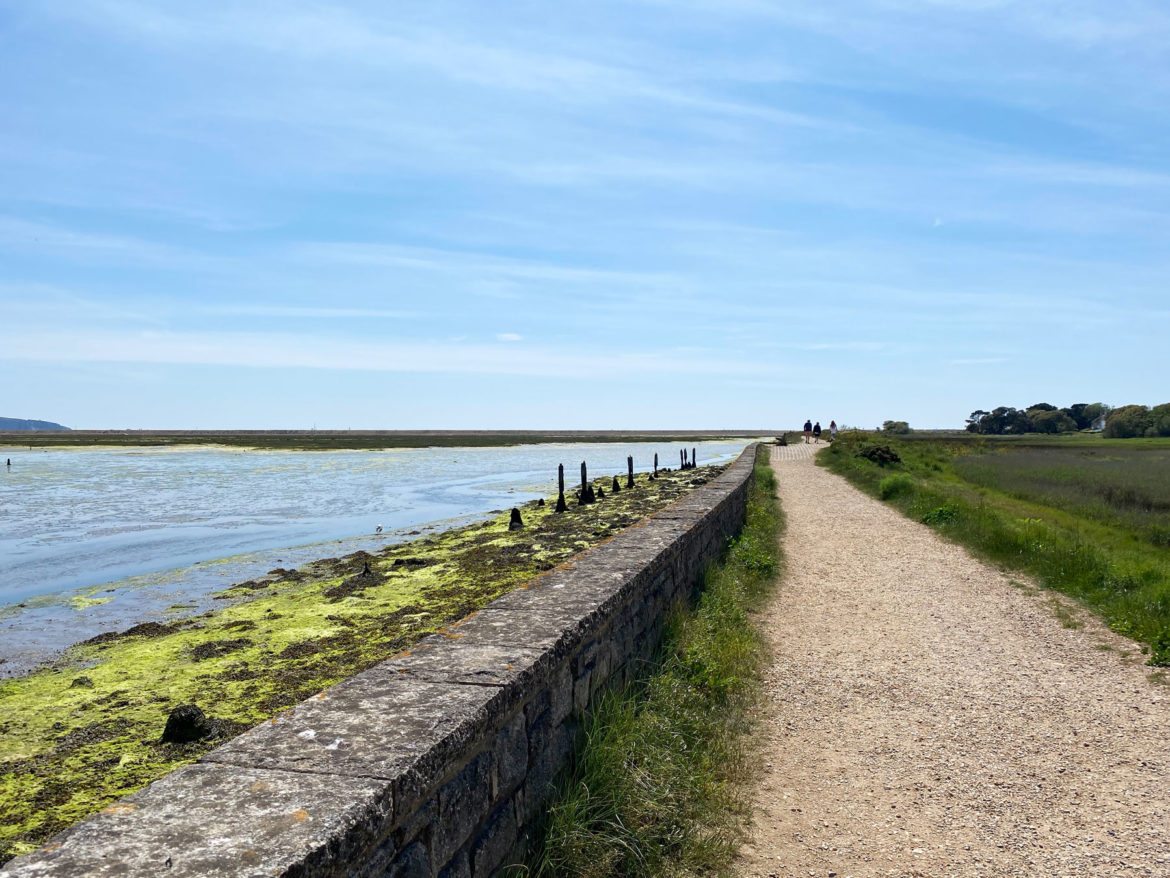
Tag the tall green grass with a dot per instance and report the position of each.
(654, 789)
(1047, 521)
(1126, 487)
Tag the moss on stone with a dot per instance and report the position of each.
(69, 750)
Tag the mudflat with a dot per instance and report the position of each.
(928, 714)
(334, 439)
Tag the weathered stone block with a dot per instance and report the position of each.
(495, 842)
(463, 802)
(206, 821)
(414, 862)
(459, 867)
(560, 694)
(446, 659)
(549, 747)
(417, 826)
(511, 752)
(582, 691)
(373, 725)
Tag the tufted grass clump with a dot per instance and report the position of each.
(653, 791)
(895, 486)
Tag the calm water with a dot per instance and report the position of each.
(93, 540)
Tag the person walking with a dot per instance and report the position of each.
(832, 431)
(807, 431)
(817, 433)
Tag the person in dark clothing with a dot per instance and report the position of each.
(807, 431)
(817, 432)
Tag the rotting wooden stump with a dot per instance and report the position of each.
(630, 471)
(561, 505)
(516, 522)
(586, 496)
(616, 486)
(654, 475)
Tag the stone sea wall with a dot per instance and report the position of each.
(433, 763)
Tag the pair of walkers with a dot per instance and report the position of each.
(814, 431)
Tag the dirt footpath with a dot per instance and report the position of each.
(930, 715)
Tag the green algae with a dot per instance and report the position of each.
(84, 601)
(79, 735)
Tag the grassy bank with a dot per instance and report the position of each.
(653, 791)
(75, 737)
(1086, 518)
(332, 440)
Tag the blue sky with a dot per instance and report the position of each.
(732, 213)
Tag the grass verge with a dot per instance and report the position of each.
(1115, 569)
(654, 790)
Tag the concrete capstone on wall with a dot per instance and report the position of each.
(431, 764)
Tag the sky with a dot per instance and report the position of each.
(610, 214)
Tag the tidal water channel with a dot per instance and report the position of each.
(95, 540)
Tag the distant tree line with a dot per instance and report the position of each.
(1118, 423)
(1130, 421)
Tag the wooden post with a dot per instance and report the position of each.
(516, 522)
(617, 486)
(694, 460)
(630, 471)
(655, 466)
(586, 489)
(561, 507)
(682, 458)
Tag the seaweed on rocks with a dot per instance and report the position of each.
(274, 641)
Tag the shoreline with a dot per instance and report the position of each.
(158, 572)
(352, 440)
(86, 611)
(86, 731)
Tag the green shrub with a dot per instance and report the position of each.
(882, 455)
(1160, 648)
(895, 486)
(941, 515)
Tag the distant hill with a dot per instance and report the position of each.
(7, 424)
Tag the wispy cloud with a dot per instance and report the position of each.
(31, 238)
(1081, 174)
(338, 36)
(978, 361)
(843, 346)
(481, 265)
(313, 313)
(313, 351)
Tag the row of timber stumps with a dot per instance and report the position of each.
(586, 494)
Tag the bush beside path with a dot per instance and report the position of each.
(928, 714)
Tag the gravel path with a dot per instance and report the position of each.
(930, 715)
